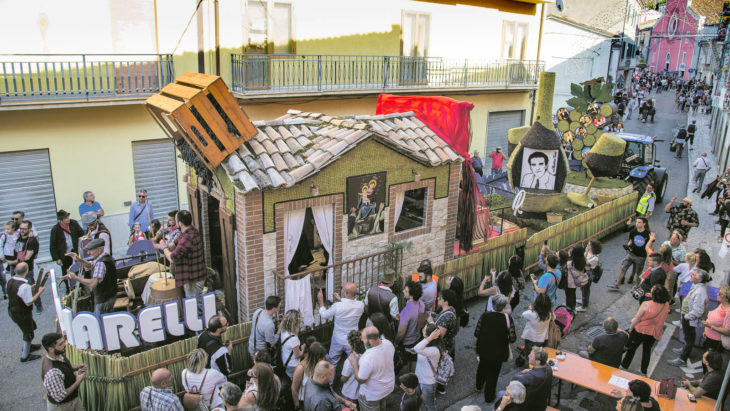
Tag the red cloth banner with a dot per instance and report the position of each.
(448, 118)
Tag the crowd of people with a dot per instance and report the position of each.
(89, 243)
(378, 347)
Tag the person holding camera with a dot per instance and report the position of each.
(639, 235)
(497, 160)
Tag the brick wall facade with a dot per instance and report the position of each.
(249, 241)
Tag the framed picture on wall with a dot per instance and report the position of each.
(366, 195)
(538, 169)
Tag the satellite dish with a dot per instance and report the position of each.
(559, 5)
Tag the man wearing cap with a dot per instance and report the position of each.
(186, 255)
(681, 217)
(64, 239)
(103, 281)
(141, 212)
(97, 230)
(380, 298)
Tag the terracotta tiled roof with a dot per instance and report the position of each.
(711, 9)
(299, 144)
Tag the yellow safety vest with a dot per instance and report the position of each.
(644, 203)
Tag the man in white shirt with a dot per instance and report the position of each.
(375, 371)
(701, 166)
(347, 312)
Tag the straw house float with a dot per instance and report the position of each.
(310, 191)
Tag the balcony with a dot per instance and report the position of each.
(265, 75)
(51, 78)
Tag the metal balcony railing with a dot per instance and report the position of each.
(53, 77)
(283, 74)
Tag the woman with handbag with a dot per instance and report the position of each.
(429, 354)
(577, 276)
(592, 252)
(491, 344)
(201, 385)
(537, 320)
(647, 327)
(715, 331)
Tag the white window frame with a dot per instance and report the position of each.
(515, 54)
(269, 29)
(417, 15)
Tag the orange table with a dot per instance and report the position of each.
(595, 376)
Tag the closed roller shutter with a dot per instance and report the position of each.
(155, 170)
(28, 186)
(498, 123)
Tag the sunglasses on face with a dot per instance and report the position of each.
(142, 196)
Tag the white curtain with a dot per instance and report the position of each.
(324, 219)
(399, 197)
(298, 293)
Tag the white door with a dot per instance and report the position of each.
(28, 186)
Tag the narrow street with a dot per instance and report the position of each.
(605, 303)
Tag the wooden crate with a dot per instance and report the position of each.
(199, 109)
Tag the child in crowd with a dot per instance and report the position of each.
(137, 234)
(411, 399)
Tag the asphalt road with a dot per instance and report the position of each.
(21, 388)
(603, 303)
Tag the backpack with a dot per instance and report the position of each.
(279, 364)
(193, 400)
(562, 282)
(445, 370)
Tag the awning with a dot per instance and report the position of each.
(527, 7)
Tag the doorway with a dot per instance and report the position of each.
(214, 231)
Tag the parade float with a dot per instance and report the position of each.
(301, 204)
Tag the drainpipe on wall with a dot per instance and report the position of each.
(537, 61)
(217, 39)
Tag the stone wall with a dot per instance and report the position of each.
(615, 192)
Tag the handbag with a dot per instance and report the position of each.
(193, 401)
(667, 388)
(597, 272)
(555, 336)
(512, 335)
(637, 292)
